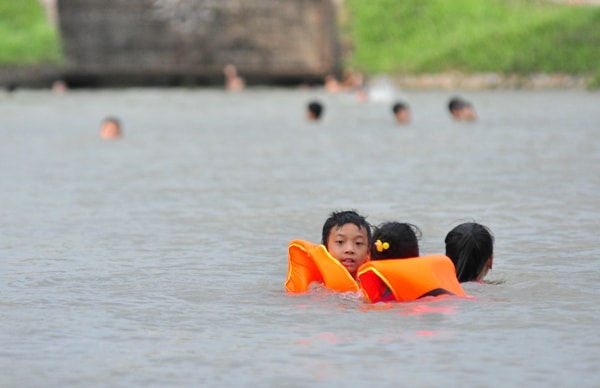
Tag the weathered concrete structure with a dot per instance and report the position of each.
(190, 41)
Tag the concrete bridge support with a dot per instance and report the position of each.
(190, 41)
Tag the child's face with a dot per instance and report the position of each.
(349, 244)
(110, 130)
(403, 116)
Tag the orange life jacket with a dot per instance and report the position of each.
(409, 279)
(309, 262)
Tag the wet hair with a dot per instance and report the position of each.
(316, 108)
(341, 218)
(397, 107)
(457, 103)
(469, 246)
(112, 119)
(395, 240)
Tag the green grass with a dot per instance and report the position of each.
(510, 36)
(26, 37)
(401, 36)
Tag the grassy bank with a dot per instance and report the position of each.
(503, 36)
(401, 37)
(26, 37)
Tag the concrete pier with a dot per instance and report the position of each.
(190, 41)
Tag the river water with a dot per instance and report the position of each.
(159, 259)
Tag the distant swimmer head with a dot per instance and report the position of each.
(461, 109)
(314, 110)
(110, 128)
(232, 80)
(401, 112)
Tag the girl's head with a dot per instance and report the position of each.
(395, 240)
(470, 246)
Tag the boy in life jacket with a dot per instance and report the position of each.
(345, 247)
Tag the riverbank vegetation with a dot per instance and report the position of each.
(401, 37)
(470, 36)
(26, 36)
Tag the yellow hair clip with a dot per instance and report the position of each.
(381, 246)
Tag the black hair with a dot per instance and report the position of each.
(316, 108)
(341, 218)
(112, 119)
(399, 106)
(457, 103)
(395, 240)
(469, 246)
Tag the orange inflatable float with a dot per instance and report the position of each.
(309, 262)
(409, 279)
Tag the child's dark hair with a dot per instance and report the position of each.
(457, 103)
(469, 246)
(112, 119)
(398, 107)
(316, 108)
(341, 218)
(395, 240)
